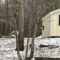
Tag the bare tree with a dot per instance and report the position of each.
(18, 13)
(38, 9)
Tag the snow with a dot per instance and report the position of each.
(46, 52)
(8, 45)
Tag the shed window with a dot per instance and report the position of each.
(59, 19)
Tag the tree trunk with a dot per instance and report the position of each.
(20, 25)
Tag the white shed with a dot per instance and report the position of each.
(51, 24)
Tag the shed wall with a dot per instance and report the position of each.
(47, 25)
(51, 25)
(55, 24)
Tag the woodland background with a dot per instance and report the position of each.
(32, 9)
(24, 16)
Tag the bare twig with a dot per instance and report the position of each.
(17, 45)
(34, 33)
(27, 49)
(28, 38)
(19, 56)
(32, 43)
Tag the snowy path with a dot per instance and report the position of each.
(7, 48)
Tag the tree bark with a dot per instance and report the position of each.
(20, 24)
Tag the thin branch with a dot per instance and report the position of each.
(34, 33)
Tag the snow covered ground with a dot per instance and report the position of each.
(46, 51)
(7, 49)
(8, 45)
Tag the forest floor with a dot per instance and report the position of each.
(8, 45)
